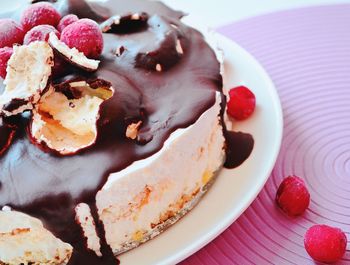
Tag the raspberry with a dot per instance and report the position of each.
(39, 33)
(67, 20)
(40, 14)
(10, 33)
(241, 104)
(292, 196)
(5, 54)
(325, 243)
(86, 36)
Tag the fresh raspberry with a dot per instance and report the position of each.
(241, 104)
(40, 14)
(40, 33)
(5, 54)
(292, 196)
(86, 36)
(67, 20)
(325, 243)
(10, 33)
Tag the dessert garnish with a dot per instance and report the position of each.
(241, 104)
(133, 129)
(40, 33)
(65, 119)
(40, 14)
(28, 73)
(72, 55)
(84, 35)
(66, 21)
(325, 243)
(10, 33)
(5, 54)
(322, 242)
(293, 196)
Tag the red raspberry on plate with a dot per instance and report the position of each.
(86, 36)
(66, 21)
(40, 14)
(241, 103)
(5, 54)
(40, 33)
(292, 196)
(10, 33)
(325, 243)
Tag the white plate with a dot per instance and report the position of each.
(235, 189)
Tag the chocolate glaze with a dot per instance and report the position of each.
(7, 133)
(48, 186)
(125, 24)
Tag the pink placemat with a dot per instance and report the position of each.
(307, 54)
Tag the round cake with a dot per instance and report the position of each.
(108, 152)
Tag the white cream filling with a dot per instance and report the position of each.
(24, 240)
(134, 198)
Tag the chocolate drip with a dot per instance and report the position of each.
(239, 147)
(49, 187)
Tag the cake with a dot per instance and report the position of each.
(111, 153)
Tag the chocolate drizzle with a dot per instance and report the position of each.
(48, 186)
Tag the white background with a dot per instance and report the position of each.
(215, 13)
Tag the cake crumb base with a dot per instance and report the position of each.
(160, 228)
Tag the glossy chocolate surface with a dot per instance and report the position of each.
(48, 186)
(239, 147)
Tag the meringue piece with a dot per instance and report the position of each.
(86, 221)
(66, 125)
(28, 72)
(24, 240)
(73, 55)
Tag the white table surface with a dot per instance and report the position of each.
(215, 13)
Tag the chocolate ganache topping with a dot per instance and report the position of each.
(163, 74)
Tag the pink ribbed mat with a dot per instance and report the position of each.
(307, 54)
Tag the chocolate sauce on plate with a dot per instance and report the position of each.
(239, 147)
